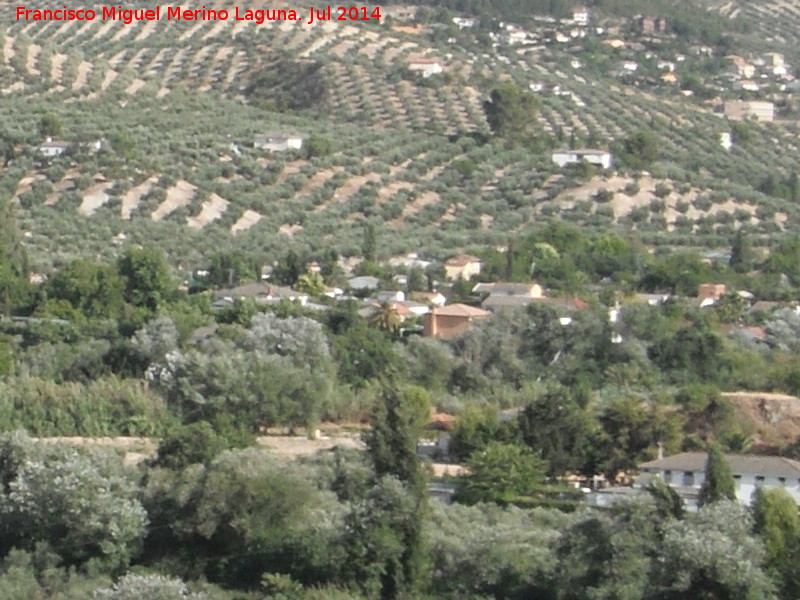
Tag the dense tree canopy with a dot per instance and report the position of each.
(512, 113)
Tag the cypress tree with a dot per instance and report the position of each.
(741, 253)
(13, 261)
(719, 483)
(392, 447)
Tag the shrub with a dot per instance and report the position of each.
(632, 188)
(604, 195)
(662, 190)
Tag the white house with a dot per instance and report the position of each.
(666, 65)
(426, 66)
(51, 148)
(516, 36)
(277, 142)
(390, 296)
(465, 22)
(774, 59)
(462, 266)
(580, 15)
(570, 157)
(685, 473)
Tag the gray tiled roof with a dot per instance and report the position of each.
(767, 466)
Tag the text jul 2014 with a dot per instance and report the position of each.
(177, 13)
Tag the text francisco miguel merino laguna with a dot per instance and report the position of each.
(177, 13)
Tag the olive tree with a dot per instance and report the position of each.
(83, 504)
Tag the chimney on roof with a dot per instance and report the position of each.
(660, 455)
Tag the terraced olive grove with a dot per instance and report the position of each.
(178, 104)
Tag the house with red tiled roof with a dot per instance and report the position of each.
(449, 322)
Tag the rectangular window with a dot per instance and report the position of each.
(667, 476)
(759, 480)
(688, 478)
(782, 481)
(738, 481)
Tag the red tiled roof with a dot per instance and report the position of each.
(460, 310)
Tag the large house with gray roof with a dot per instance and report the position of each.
(685, 473)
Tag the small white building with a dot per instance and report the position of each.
(516, 36)
(580, 15)
(277, 142)
(426, 66)
(570, 157)
(390, 296)
(726, 140)
(462, 266)
(465, 22)
(666, 65)
(774, 59)
(51, 148)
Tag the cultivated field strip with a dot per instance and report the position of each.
(408, 178)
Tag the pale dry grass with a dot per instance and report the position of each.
(246, 221)
(212, 209)
(82, 76)
(94, 197)
(178, 196)
(131, 198)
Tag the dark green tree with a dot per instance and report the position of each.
(776, 520)
(13, 261)
(556, 426)
(391, 442)
(501, 472)
(793, 184)
(718, 483)
(369, 247)
(147, 278)
(317, 145)
(50, 125)
(742, 258)
(186, 445)
(639, 150)
(94, 289)
(512, 112)
(631, 429)
(230, 268)
(667, 501)
(693, 353)
(394, 514)
(785, 259)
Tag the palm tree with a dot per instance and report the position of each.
(311, 283)
(386, 318)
